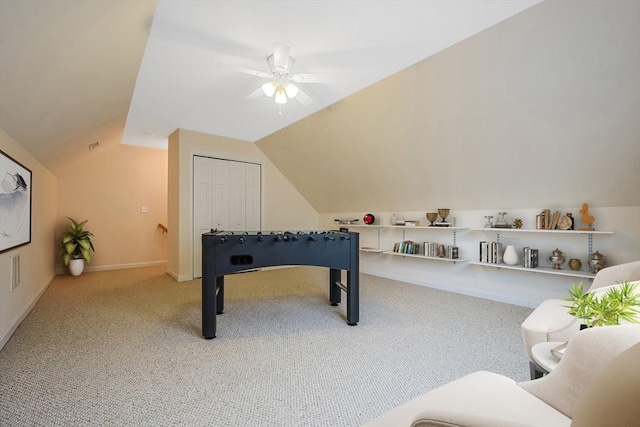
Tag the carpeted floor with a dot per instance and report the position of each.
(123, 348)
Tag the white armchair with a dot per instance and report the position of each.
(551, 320)
(596, 384)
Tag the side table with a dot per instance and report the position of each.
(543, 360)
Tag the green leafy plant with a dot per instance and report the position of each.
(77, 243)
(616, 304)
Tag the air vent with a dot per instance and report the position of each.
(15, 271)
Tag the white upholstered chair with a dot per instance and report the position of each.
(551, 320)
(596, 384)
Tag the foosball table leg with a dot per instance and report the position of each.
(353, 297)
(220, 295)
(334, 289)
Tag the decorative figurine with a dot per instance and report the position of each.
(432, 216)
(488, 224)
(587, 219)
(575, 264)
(565, 223)
(501, 220)
(444, 213)
(597, 262)
(557, 258)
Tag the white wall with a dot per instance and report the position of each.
(38, 258)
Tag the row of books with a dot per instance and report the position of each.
(545, 220)
(431, 249)
(491, 252)
(407, 247)
(529, 257)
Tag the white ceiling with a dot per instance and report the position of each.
(76, 72)
(356, 43)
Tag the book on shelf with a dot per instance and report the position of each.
(547, 219)
(554, 220)
(529, 257)
(452, 252)
(431, 249)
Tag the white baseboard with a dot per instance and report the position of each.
(177, 277)
(89, 268)
(124, 266)
(6, 335)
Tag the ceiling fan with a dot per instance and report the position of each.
(283, 84)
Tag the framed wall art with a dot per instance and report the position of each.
(15, 203)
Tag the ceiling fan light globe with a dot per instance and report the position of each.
(281, 96)
(269, 88)
(291, 90)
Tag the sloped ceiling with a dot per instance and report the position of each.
(353, 44)
(67, 73)
(77, 72)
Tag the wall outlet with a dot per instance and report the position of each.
(144, 209)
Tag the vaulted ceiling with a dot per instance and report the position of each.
(75, 73)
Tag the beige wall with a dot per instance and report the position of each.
(38, 258)
(283, 208)
(109, 186)
(540, 110)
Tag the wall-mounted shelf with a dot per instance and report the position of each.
(454, 260)
(529, 230)
(405, 229)
(542, 270)
(555, 233)
(373, 250)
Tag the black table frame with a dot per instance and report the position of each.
(227, 253)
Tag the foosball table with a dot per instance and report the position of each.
(226, 252)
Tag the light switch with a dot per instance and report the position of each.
(144, 209)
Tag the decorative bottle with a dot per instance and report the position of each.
(394, 219)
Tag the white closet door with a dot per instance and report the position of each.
(237, 194)
(210, 202)
(226, 196)
(220, 194)
(253, 200)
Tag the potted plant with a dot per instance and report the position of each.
(77, 244)
(616, 304)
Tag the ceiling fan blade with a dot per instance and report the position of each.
(281, 57)
(256, 93)
(303, 98)
(244, 70)
(311, 78)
